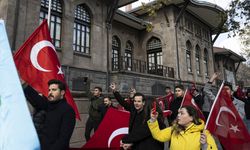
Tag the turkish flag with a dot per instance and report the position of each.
(169, 99)
(109, 133)
(225, 123)
(161, 103)
(37, 63)
(188, 100)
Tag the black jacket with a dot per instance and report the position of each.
(174, 107)
(199, 101)
(59, 120)
(247, 108)
(139, 133)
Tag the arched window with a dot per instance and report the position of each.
(115, 53)
(154, 52)
(55, 20)
(81, 35)
(188, 56)
(128, 55)
(205, 61)
(197, 59)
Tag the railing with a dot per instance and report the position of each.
(135, 65)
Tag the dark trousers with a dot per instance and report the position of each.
(90, 124)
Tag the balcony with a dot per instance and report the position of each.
(135, 65)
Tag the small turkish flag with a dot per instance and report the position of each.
(225, 122)
(188, 100)
(37, 63)
(169, 99)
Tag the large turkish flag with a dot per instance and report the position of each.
(225, 122)
(37, 63)
(109, 133)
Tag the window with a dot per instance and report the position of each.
(115, 53)
(188, 56)
(81, 34)
(56, 19)
(205, 34)
(189, 24)
(128, 55)
(197, 30)
(154, 52)
(197, 59)
(205, 61)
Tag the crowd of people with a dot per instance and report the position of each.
(54, 119)
(148, 129)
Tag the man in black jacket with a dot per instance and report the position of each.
(139, 136)
(176, 103)
(59, 119)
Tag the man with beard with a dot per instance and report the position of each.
(59, 119)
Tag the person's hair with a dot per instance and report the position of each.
(195, 89)
(167, 87)
(99, 88)
(107, 97)
(228, 84)
(140, 94)
(179, 86)
(191, 112)
(61, 85)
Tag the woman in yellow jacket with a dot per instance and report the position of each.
(187, 133)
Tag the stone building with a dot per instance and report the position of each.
(227, 63)
(98, 44)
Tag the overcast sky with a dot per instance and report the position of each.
(223, 40)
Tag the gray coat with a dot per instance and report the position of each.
(208, 98)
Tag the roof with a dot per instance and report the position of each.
(208, 13)
(229, 53)
(125, 2)
(130, 20)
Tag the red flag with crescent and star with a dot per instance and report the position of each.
(188, 100)
(169, 98)
(225, 123)
(109, 133)
(37, 63)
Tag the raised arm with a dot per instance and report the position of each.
(36, 100)
(119, 98)
(208, 87)
(158, 134)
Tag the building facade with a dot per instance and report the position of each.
(98, 44)
(227, 63)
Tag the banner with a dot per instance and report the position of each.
(17, 131)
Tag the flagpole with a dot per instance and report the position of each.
(216, 98)
(49, 12)
(183, 98)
